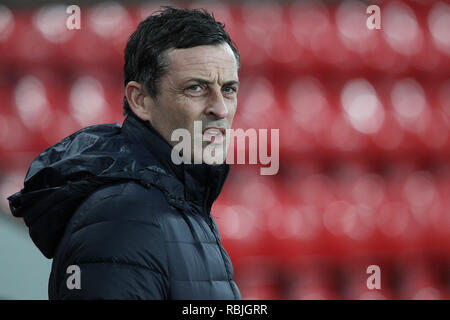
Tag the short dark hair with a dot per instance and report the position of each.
(168, 28)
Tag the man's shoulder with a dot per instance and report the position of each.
(122, 201)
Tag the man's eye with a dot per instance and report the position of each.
(195, 88)
(230, 90)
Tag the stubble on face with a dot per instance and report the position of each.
(200, 85)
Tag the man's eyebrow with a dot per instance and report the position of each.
(206, 81)
(232, 82)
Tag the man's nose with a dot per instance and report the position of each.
(217, 106)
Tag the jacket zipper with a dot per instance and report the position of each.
(210, 223)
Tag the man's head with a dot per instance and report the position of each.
(181, 66)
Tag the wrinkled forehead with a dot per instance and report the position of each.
(206, 61)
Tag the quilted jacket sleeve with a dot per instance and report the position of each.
(118, 245)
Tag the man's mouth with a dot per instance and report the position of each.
(214, 134)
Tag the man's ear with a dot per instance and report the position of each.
(138, 99)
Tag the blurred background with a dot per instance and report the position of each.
(364, 126)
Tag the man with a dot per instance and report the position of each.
(120, 219)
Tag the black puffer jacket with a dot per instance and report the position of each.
(109, 199)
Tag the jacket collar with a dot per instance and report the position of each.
(202, 183)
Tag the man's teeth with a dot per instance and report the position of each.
(214, 135)
(214, 132)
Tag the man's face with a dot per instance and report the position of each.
(201, 84)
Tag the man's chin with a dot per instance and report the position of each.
(209, 161)
(215, 157)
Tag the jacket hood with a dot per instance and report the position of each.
(65, 174)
